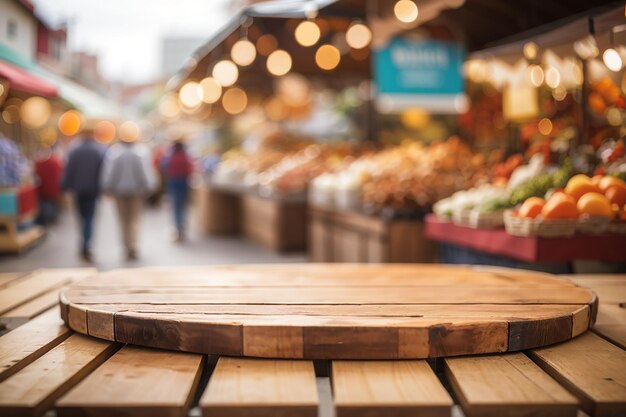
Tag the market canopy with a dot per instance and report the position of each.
(21, 80)
(91, 104)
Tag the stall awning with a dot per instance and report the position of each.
(21, 80)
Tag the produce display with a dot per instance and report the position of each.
(408, 177)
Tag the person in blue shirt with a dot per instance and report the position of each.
(82, 177)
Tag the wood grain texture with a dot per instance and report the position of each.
(384, 388)
(321, 311)
(508, 385)
(33, 390)
(28, 342)
(261, 388)
(136, 382)
(591, 368)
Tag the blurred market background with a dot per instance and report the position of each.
(458, 131)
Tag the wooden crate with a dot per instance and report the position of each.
(13, 240)
(274, 223)
(218, 210)
(342, 236)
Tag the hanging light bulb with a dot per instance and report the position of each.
(243, 52)
(358, 36)
(226, 73)
(406, 11)
(279, 62)
(612, 60)
(307, 33)
(327, 57)
(211, 90)
(553, 77)
(235, 100)
(536, 75)
(190, 94)
(530, 50)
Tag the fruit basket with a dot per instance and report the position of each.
(592, 225)
(617, 227)
(520, 226)
(482, 220)
(462, 217)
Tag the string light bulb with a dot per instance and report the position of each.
(243, 52)
(307, 33)
(358, 36)
(190, 94)
(406, 11)
(530, 50)
(327, 57)
(211, 90)
(235, 100)
(279, 62)
(226, 73)
(612, 60)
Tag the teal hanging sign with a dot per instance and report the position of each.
(421, 73)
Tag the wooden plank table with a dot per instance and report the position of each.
(327, 311)
(45, 365)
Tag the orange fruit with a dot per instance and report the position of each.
(608, 181)
(579, 185)
(595, 204)
(532, 207)
(595, 180)
(560, 206)
(616, 195)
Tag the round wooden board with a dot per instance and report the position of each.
(330, 311)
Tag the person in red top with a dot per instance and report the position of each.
(177, 166)
(49, 170)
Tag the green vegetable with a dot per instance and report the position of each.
(495, 205)
(539, 186)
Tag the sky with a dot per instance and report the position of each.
(127, 34)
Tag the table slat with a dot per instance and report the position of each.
(261, 388)
(33, 390)
(136, 382)
(25, 344)
(507, 385)
(592, 368)
(384, 388)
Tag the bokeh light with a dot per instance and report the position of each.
(48, 136)
(70, 122)
(405, 11)
(35, 112)
(11, 114)
(530, 50)
(211, 90)
(226, 73)
(553, 77)
(307, 33)
(612, 60)
(168, 106)
(535, 73)
(545, 126)
(266, 44)
(279, 62)
(243, 52)
(327, 57)
(129, 131)
(190, 94)
(234, 100)
(104, 132)
(358, 36)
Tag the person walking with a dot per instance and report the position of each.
(128, 176)
(177, 167)
(82, 177)
(49, 170)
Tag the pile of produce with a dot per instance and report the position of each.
(408, 177)
(587, 205)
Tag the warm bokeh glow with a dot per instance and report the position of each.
(545, 126)
(279, 62)
(129, 131)
(190, 94)
(358, 36)
(104, 132)
(530, 50)
(35, 112)
(612, 60)
(536, 75)
(69, 123)
(235, 100)
(226, 73)
(307, 33)
(211, 90)
(405, 11)
(266, 44)
(168, 106)
(243, 52)
(553, 77)
(327, 57)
